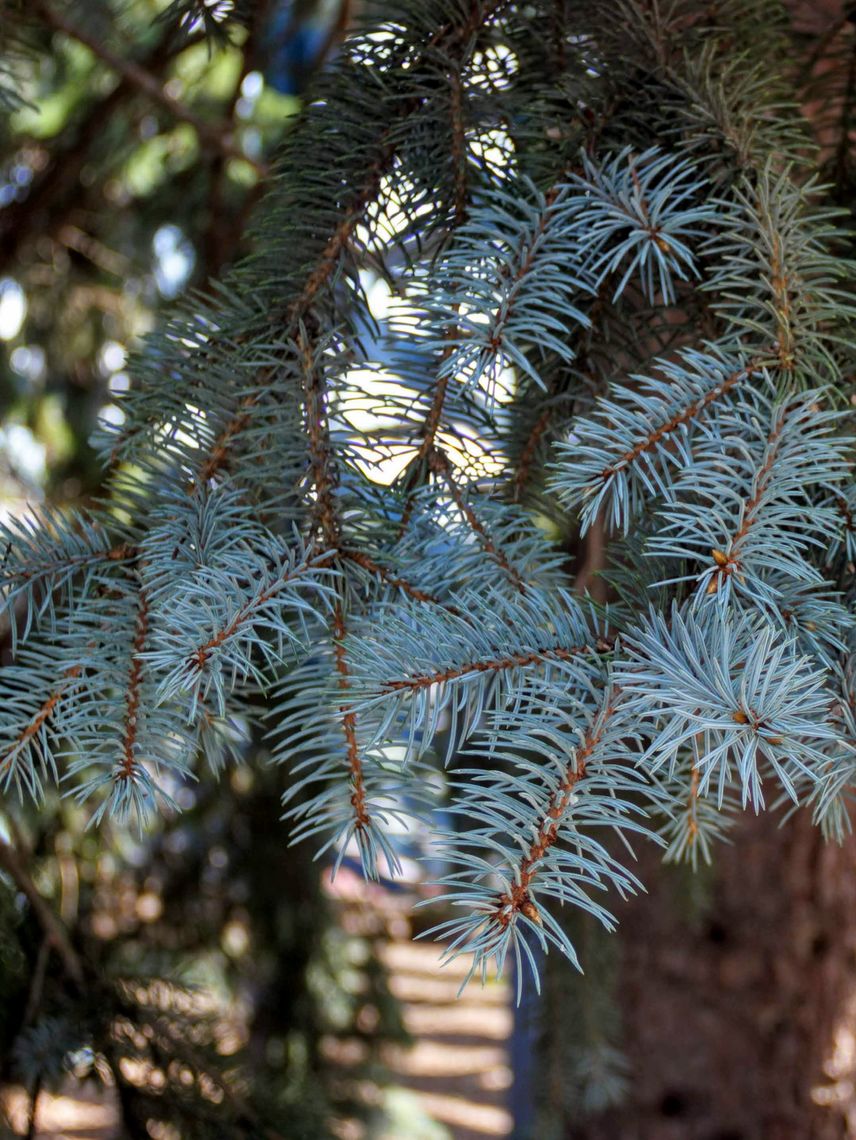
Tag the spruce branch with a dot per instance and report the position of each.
(617, 460)
(439, 463)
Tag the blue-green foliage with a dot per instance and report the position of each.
(321, 515)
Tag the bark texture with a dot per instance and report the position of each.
(739, 1022)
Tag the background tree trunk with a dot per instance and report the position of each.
(739, 1022)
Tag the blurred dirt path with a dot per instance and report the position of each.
(456, 1072)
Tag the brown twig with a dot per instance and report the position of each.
(43, 715)
(459, 145)
(517, 899)
(729, 563)
(696, 409)
(200, 655)
(439, 463)
(495, 665)
(527, 455)
(349, 725)
(392, 579)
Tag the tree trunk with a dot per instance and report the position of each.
(740, 1025)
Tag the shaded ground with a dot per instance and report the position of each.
(451, 1085)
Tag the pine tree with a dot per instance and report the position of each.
(508, 480)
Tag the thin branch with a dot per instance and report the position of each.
(683, 417)
(55, 932)
(439, 463)
(203, 652)
(729, 563)
(494, 665)
(324, 476)
(392, 579)
(459, 145)
(447, 36)
(349, 725)
(517, 900)
(124, 552)
(39, 720)
(527, 455)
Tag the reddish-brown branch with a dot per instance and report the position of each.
(518, 900)
(495, 665)
(320, 450)
(780, 285)
(349, 724)
(123, 552)
(527, 455)
(594, 555)
(324, 480)
(459, 144)
(42, 716)
(440, 464)
(132, 691)
(202, 653)
(653, 438)
(692, 803)
(729, 563)
(392, 579)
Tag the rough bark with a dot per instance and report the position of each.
(738, 1022)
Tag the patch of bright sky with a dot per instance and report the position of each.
(111, 415)
(251, 88)
(174, 259)
(494, 149)
(112, 357)
(28, 360)
(25, 455)
(494, 67)
(13, 308)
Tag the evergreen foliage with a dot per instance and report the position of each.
(617, 321)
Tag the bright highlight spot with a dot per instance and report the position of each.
(13, 308)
